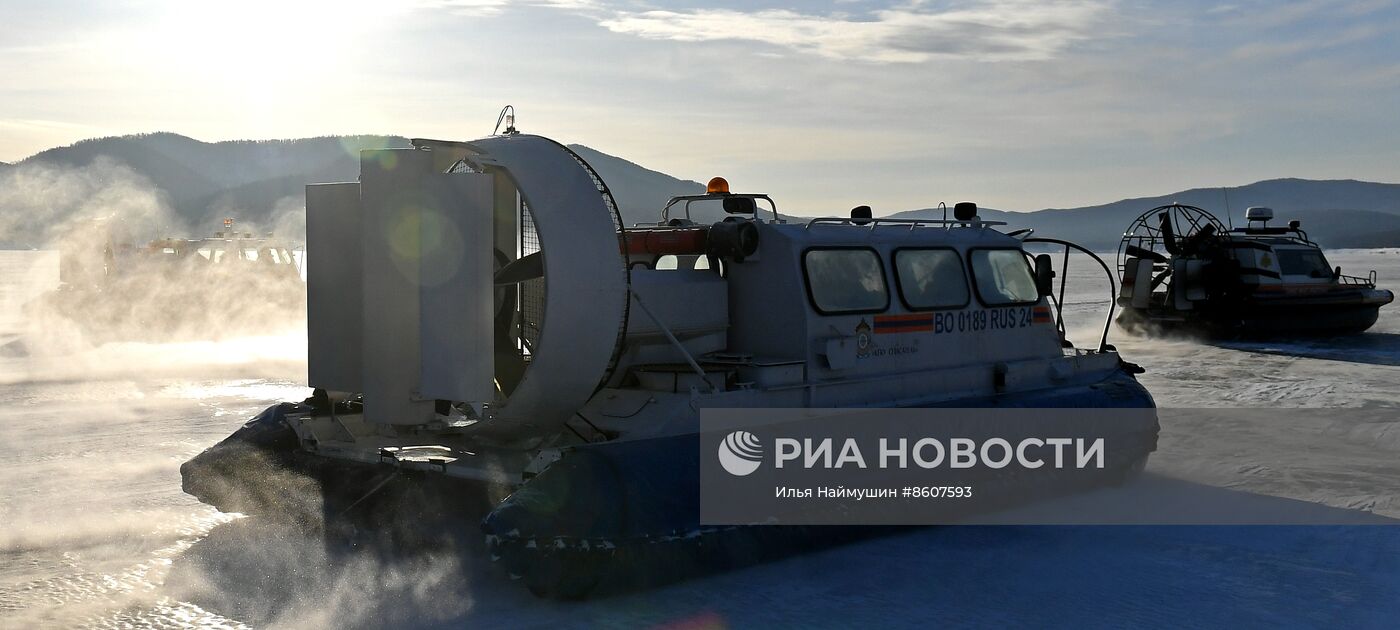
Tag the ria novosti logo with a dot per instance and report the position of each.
(740, 453)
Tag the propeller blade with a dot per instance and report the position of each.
(1168, 234)
(1138, 252)
(520, 270)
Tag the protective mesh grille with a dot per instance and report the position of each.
(618, 225)
(531, 291)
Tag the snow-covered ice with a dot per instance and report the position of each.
(94, 530)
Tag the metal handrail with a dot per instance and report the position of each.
(1368, 282)
(1064, 278)
(912, 223)
(689, 199)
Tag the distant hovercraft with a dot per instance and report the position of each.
(1183, 270)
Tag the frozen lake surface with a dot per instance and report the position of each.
(95, 532)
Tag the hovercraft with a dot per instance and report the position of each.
(479, 316)
(1183, 270)
(170, 289)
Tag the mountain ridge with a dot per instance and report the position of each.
(247, 179)
(255, 180)
(1339, 212)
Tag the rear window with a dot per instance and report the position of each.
(845, 280)
(930, 278)
(1003, 277)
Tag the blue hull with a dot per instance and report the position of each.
(625, 515)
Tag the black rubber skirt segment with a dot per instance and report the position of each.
(253, 469)
(1258, 319)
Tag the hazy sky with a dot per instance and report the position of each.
(1017, 104)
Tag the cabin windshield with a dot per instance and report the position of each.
(1303, 262)
(1003, 277)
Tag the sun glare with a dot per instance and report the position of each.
(259, 45)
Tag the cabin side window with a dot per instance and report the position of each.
(1003, 277)
(672, 262)
(845, 280)
(930, 279)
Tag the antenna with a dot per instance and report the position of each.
(508, 117)
(1228, 219)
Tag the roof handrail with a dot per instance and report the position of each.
(689, 199)
(912, 223)
(1297, 234)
